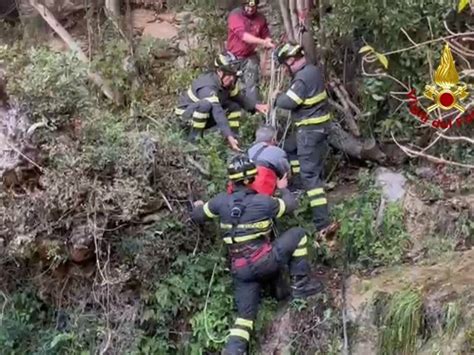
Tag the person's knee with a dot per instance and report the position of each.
(204, 106)
(297, 232)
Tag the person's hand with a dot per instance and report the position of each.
(234, 143)
(267, 43)
(262, 108)
(198, 203)
(283, 182)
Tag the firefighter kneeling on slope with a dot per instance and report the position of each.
(246, 219)
(214, 98)
(307, 100)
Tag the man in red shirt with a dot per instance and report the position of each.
(246, 30)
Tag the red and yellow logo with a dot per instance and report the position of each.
(448, 90)
(446, 94)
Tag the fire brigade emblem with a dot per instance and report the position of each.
(448, 90)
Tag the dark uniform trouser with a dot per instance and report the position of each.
(251, 77)
(312, 150)
(200, 115)
(288, 249)
(291, 150)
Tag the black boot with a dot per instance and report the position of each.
(279, 287)
(303, 286)
(194, 135)
(235, 348)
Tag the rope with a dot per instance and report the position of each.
(206, 327)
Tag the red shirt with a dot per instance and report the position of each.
(237, 25)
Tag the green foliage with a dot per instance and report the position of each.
(364, 242)
(402, 323)
(52, 86)
(105, 141)
(183, 293)
(452, 318)
(354, 26)
(196, 62)
(9, 33)
(28, 326)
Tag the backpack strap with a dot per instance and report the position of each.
(259, 151)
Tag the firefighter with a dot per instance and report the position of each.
(289, 146)
(214, 98)
(247, 29)
(246, 219)
(307, 100)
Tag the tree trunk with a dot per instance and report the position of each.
(354, 147)
(285, 14)
(113, 7)
(307, 38)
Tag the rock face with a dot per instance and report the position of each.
(444, 282)
(141, 18)
(161, 30)
(392, 183)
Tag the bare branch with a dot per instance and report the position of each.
(456, 138)
(430, 41)
(413, 153)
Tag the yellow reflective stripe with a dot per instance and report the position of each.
(234, 114)
(192, 96)
(315, 191)
(199, 124)
(303, 241)
(235, 91)
(315, 99)
(247, 173)
(256, 225)
(292, 95)
(293, 50)
(244, 322)
(294, 162)
(200, 115)
(212, 99)
(234, 124)
(179, 111)
(236, 176)
(317, 120)
(244, 238)
(207, 211)
(300, 252)
(295, 169)
(319, 202)
(283, 49)
(240, 333)
(282, 208)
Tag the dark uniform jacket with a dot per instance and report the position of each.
(306, 98)
(208, 87)
(258, 212)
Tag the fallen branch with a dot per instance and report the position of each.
(197, 166)
(460, 138)
(166, 201)
(413, 153)
(348, 116)
(67, 38)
